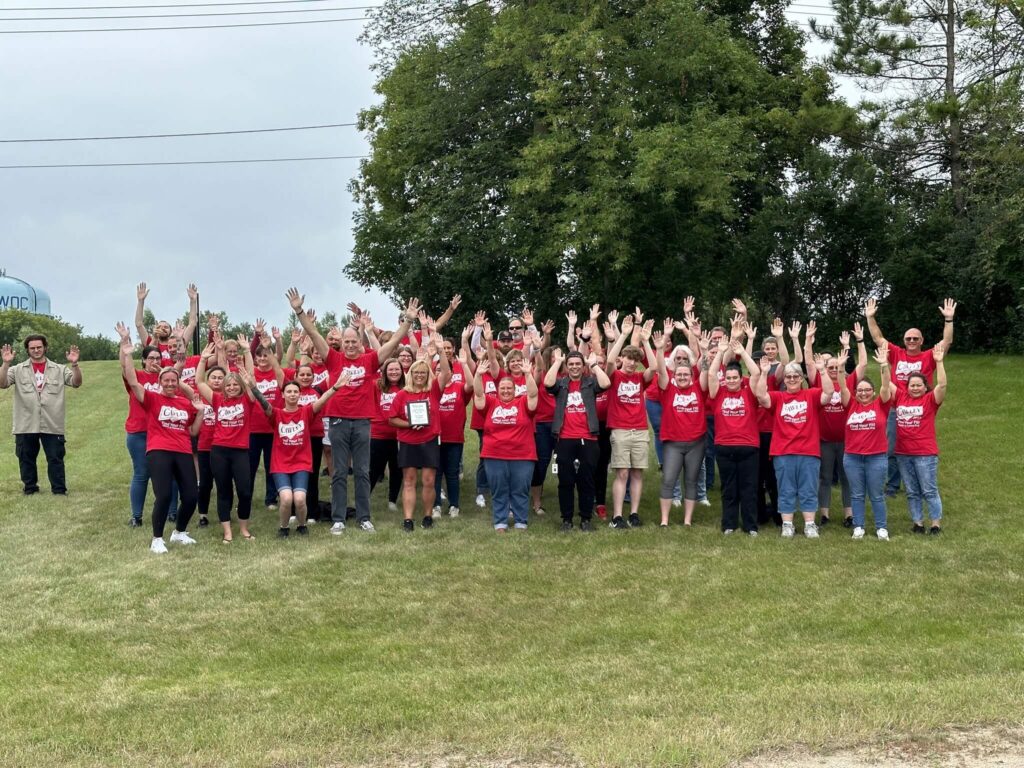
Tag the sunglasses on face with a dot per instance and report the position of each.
(911, 338)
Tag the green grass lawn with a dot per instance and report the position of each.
(643, 647)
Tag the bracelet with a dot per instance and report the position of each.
(595, 365)
(949, 321)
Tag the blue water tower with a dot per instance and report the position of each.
(17, 294)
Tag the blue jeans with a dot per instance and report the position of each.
(451, 461)
(509, 481)
(654, 416)
(921, 478)
(136, 444)
(797, 477)
(892, 482)
(866, 475)
(544, 440)
(291, 481)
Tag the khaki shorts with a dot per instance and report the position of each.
(629, 449)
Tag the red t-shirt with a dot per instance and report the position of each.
(574, 421)
(320, 374)
(167, 423)
(797, 430)
(266, 383)
(653, 391)
(355, 400)
(39, 375)
(833, 415)
(602, 400)
(292, 451)
(234, 417)
(735, 416)
(915, 424)
(545, 412)
(476, 419)
(865, 427)
(453, 413)
(766, 416)
(903, 364)
(626, 404)
(208, 426)
(166, 355)
(683, 418)
(380, 427)
(137, 419)
(418, 436)
(308, 396)
(188, 370)
(508, 430)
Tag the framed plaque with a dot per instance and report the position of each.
(418, 413)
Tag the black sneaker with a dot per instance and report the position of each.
(618, 523)
(302, 530)
(934, 530)
(825, 520)
(566, 525)
(918, 528)
(428, 521)
(283, 533)
(30, 491)
(847, 522)
(203, 521)
(135, 522)
(634, 521)
(408, 526)
(586, 525)
(350, 512)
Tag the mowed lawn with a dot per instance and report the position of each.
(642, 647)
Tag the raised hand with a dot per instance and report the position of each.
(593, 359)
(737, 347)
(844, 339)
(296, 334)
(571, 317)
(638, 315)
(948, 309)
(844, 355)
(527, 316)
(610, 332)
(311, 314)
(765, 364)
(939, 352)
(812, 328)
(354, 309)
(412, 310)
(667, 326)
(613, 317)
(527, 366)
(736, 327)
(343, 379)
(295, 299)
(126, 347)
(819, 362)
(777, 328)
(858, 332)
(246, 378)
(739, 307)
(467, 332)
(595, 312)
(548, 326)
(7, 354)
(693, 322)
(479, 318)
(142, 292)
(488, 333)
(723, 344)
(704, 342)
(192, 291)
(243, 342)
(882, 355)
(275, 332)
(794, 330)
(260, 326)
(659, 340)
(456, 300)
(197, 402)
(688, 304)
(646, 329)
(870, 308)
(627, 324)
(210, 350)
(749, 330)
(122, 331)
(556, 357)
(179, 330)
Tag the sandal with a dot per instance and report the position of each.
(248, 537)
(226, 541)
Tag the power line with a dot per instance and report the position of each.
(176, 5)
(187, 15)
(179, 135)
(189, 162)
(194, 26)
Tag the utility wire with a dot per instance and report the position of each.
(194, 26)
(186, 15)
(178, 135)
(176, 5)
(189, 162)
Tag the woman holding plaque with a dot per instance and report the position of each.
(415, 413)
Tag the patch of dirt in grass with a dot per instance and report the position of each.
(965, 748)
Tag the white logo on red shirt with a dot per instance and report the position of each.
(904, 368)
(355, 374)
(291, 432)
(308, 399)
(188, 374)
(153, 387)
(734, 406)
(171, 417)
(574, 402)
(448, 400)
(794, 411)
(628, 391)
(503, 415)
(861, 420)
(520, 390)
(266, 385)
(209, 416)
(319, 378)
(685, 402)
(231, 415)
(386, 399)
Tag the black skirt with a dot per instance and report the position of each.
(420, 455)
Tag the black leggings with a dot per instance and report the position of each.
(231, 465)
(313, 492)
(166, 467)
(604, 458)
(384, 453)
(205, 482)
(766, 483)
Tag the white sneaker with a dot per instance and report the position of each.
(752, 534)
(788, 531)
(158, 547)
(436, 511)
(292, 520)
(810, 530)
(453, 511)
(882, 534)
(677, 502)
(392, 506)
(729, 531)
(443, 496)
(367, 526)
(338, 528)
(858, 533)
(704, 502)
(481, 501)
(181, 537)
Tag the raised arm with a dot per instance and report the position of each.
(870, 310)
(295, 299)
(7, 355)
(321, 401)
(885, 388)
(468, 363)
(660, 366)
(794, 336)
(479, 398)
(531, 384)
(444, 368)
(254, 392)
(551, 377)
(862, 351)
(812, 371)
(844, 391)
(201, 385)
(128, 370)
(620, 342)
(570, 336)
(939, 354)
(442, 321)
(243, 348)
(141, 292)
(371, 337)
(827, 385)
(715, 366)
(948, 309)
(411, 312)
(193, 313)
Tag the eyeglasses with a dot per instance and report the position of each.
(154, 357)
(515, 328)
(911, 338)
(792, 376)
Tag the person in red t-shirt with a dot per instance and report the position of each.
(683, 426)
(384, 437)
(833, 422)
(916, 447)
(269, 378)
(171, 419)
(733, 405)
(904, 361)
(419, 441)
(627, 419)
(161, 336)
(509, 451)
(454, 400)
(214, 377)
(796, 439)
(864, 458)
(291, 462)
(309, 392)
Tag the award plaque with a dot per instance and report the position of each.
(418, 413)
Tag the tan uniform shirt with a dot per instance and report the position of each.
(39, 411)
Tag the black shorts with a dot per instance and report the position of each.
(420, 455)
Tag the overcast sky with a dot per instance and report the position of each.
(243, 233)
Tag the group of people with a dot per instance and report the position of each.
(782, 426)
